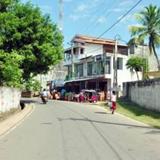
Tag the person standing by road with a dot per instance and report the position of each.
(113, 100)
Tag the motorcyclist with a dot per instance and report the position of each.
(44, 96)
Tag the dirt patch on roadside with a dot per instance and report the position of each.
(5, 115)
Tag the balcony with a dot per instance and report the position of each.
(77, 77)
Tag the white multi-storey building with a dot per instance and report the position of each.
(97, 64)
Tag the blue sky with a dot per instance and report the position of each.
(93, 17)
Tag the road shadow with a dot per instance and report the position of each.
(154, 132)
(46, 123)
(101, 112)
(28, 101)
(102, 122)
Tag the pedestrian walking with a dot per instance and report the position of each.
(113, 100)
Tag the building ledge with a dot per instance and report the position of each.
(102, 76)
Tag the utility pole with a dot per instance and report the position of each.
(60, 23)
(72, 63)
(115, 65)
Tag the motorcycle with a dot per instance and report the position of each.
(44, 99)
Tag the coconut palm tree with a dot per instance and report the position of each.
(137, 64)
(149, 27)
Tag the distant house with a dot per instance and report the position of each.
(55, 76)
(93, 64)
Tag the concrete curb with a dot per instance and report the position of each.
(12, 122)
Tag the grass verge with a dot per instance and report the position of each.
(138, 113)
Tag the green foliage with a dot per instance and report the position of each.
(137, 64)
(32, 85)
(6, 4)
(31, 35)
(37, 86)
(149, 20)
(10, 73)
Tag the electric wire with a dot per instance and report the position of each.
(82, 26)
(122, 17)
(95, 22)
(114, 24)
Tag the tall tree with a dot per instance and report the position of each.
(149, 27)
(24, 30)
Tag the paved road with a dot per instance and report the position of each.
(70, 131)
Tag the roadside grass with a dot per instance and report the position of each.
(137, 112)
(5, 115)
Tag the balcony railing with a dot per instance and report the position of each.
(77, 77)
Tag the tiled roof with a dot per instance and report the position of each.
(90, 39)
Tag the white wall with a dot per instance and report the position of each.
(9, 98)
(145, 93)
(144, 52)
(93, 49)
(124, 75)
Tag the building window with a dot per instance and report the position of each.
(89, 68)
(79, 70)
(108, 65)
(81, 50)
(119, 63)
(100, 68)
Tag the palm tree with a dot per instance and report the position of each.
(149, 19)
(137, 64)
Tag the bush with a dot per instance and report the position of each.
(10, 73)
(32, 85)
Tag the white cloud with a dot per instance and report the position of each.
(74, 17)
(126, 2)
(85, 10)
(101, 20)
(80, 12)
(81, 8)
(117, 9)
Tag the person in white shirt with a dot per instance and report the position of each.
(44, 96)
(113, 99)
(44, 93)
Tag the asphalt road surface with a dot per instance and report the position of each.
(72, 131)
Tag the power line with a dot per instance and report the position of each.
(98, 16)
(105, 15)
(122, 17)
(92, 13)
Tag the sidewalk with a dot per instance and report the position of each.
(13, 121)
